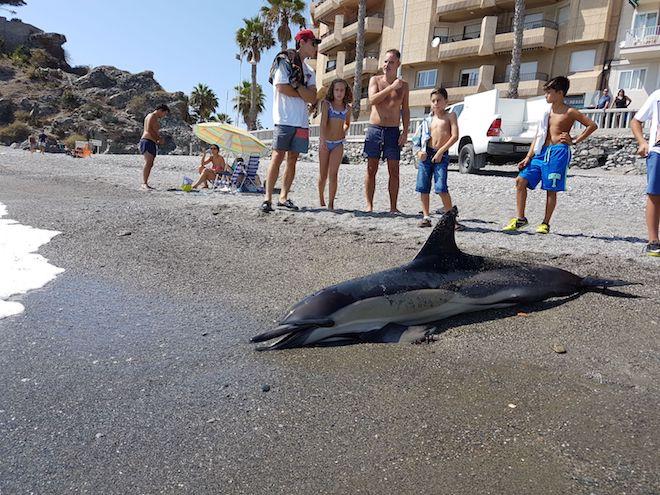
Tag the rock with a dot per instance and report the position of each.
(124, 233)
(558, 348)
(596, 151)
(7, 109)
(99, 435)
(265, 387)
(97, 78)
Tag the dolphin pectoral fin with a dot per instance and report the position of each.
(419, 333)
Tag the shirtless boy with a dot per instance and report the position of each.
(388, 96)
(149, 142)
(549, 155)
(436, 134)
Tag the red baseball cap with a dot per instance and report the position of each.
(307, 35)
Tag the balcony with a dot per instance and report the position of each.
(641, 44)
(325, 10)
(343, 34)
(344, 66)
(369, 65)
(536, 34)
(458, 46)
(463, 10)
(531, 83)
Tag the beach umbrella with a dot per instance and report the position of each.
(230, 138)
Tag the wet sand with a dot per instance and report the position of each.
(132, 371)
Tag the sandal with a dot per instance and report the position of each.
(288, 204)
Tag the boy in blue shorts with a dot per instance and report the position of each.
(549, 155)
(651, 151)
(433, 138)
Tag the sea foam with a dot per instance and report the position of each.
(21, 268)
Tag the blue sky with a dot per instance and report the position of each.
(183, 43)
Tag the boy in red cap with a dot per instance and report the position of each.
(294, 86)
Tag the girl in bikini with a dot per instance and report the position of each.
(335, 121)
(217, 166)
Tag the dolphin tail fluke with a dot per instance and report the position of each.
(603, 285)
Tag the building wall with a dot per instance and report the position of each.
(589, 25)
(621, 63)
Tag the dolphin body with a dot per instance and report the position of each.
(406, 304)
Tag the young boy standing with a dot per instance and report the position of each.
(549, 155)
(431, 142)
(650, 111)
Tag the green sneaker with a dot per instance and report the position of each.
(544, 228)
(515, 224)
(653, 249)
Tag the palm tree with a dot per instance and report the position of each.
(252, 39)
(282, 13)
(242, 102)
(221, 117)
(518, 25)
(203, 101)
(359, 57)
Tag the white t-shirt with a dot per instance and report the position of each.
(651, 111)
(290, 110)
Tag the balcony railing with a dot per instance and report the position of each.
(464, 82)
(543, 23)
(350, 58)
(459, 37)
(642, 36)
(528, 76)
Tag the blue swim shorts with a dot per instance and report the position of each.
(148, 146)
(290, 138)
(382, 142)
(653, 173)
(427, 171)
(549, 167)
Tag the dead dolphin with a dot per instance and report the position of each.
(405, 304)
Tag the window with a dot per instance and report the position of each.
(457, 109)
(533, 21)
(528, 71)
(330, 65)
(469, 77)
(441, 32)
(564, 15)
(426, 78)
(471, 31)
(632, 79)
(582, 60)
(646, 24)
(427, 110)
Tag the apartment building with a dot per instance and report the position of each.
(474, 39)
(635, 67)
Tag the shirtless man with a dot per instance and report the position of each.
(549, 155)
(149, 142)
(388, 96)
(437, 133)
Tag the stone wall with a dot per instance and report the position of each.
(597, 151)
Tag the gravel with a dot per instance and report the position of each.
(115, 345)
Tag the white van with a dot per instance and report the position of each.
(494, 129)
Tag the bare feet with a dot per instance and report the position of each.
(369, 208)
(322, 204)
(395, 211)
(147, 187)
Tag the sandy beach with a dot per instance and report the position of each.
(132, 371)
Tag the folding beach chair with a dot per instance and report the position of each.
(222, 181)
(238, 175)
(250, 182)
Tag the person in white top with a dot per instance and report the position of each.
(294, 87)
(651, 151)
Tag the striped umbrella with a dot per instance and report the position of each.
(229, 138)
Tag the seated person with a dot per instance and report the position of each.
(218, 166)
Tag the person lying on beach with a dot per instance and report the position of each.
(335, 121)
(210, 167)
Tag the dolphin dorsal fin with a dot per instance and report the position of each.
(441, 240)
